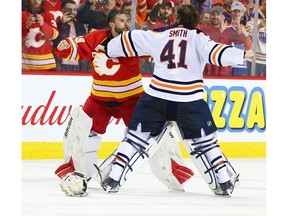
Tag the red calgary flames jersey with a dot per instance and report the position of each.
(36, 43)
(122, 77)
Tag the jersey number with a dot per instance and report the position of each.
(167, 54)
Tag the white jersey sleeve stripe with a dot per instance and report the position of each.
(220, 54)
(215, 54)
(122, 45)
(131, 43)
(74, 49)
(127, 44)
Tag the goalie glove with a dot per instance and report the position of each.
(74, 184)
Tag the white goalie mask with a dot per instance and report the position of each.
(74, 184)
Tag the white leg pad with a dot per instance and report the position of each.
(91, 155)
(205, 168)
(78, 144)
(168, 165)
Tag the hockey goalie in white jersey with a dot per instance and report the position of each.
(175, 93)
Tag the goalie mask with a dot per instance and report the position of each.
(74, 184)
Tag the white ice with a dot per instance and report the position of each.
(143, 194)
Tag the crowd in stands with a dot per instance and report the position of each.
(46, 22)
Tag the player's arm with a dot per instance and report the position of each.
(65, 49)
(48, 26)
(73, 49)
(128, 44)
(220, 54)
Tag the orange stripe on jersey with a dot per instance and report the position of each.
(127, 43)
(177, 87)
(119, 159)
(215, 54)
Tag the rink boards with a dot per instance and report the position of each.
(238, 108)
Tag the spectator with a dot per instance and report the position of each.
(217, 32)
(141, 11)
(218, 3)
(204, 19)
(24, 5)
(261, 12)
(228, 12)
(69, 26)
(214, 31)
(95, 18)
(78, 2)
(152, 3)
(260, 38)
(38, 30)
(249, 8)
(237, 12)
(54, 7)
(202, 5)
(161, 15)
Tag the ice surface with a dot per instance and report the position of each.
(143, 194)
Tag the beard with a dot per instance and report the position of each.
(35, 8)
(165, 16)
(121, 30)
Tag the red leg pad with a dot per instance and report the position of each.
(64, 169)
(182, 173)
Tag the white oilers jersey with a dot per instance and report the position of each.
(180, 56)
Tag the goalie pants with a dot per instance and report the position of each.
(101, 112)
(192, 117)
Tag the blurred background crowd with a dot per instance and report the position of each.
(241, 23)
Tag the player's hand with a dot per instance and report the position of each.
(100, 48)
(249, 54)
(63, 45)
(39, 19)
(30, 20)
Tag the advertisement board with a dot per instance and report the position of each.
(238, 108)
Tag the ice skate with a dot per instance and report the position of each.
(110, 185)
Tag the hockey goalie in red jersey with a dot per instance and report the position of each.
(116, 88)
